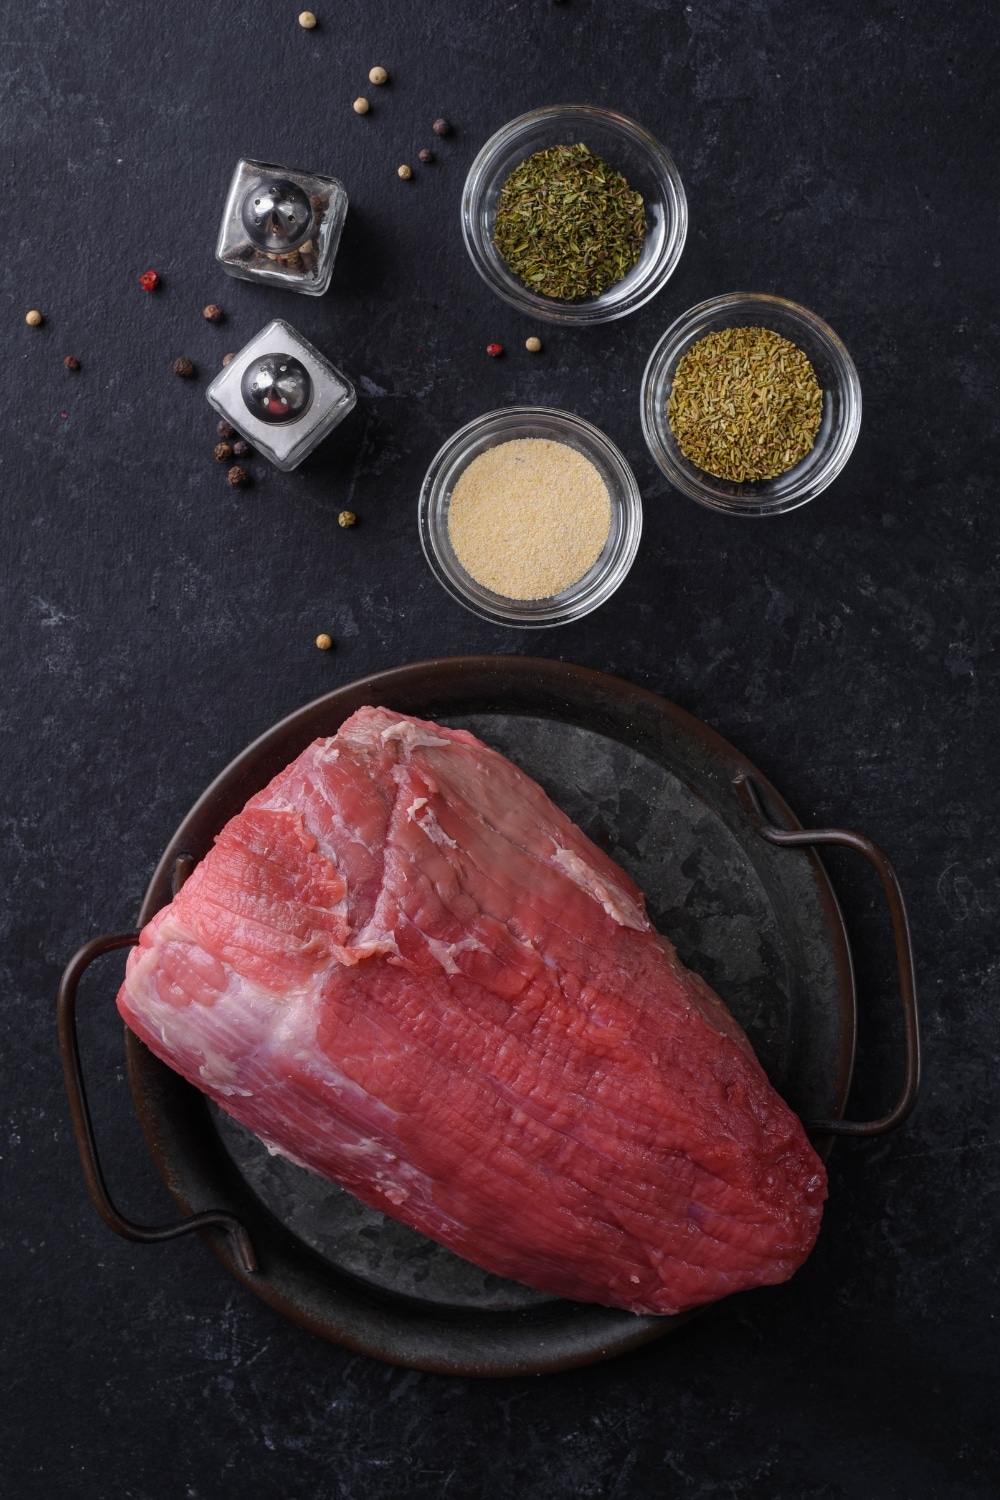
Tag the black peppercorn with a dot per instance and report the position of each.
(238, 476)
(225, 431)
(223, 452)
(441, 127)
(426, 156)
(241, 449)
(184, 368)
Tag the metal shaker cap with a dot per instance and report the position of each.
(276, 388)
(277, 215)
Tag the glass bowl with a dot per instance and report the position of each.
(495, 427)
(623, 145)
(838, 380)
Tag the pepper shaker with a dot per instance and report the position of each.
(282, 394)
(281, 225)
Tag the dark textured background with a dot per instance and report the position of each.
(842, 154)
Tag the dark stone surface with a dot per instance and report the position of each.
(155, 620)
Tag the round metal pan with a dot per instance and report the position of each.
(657, 789)
(654, 786)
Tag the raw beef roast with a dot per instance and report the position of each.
(407, 970)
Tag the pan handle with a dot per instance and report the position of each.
(84, 1131)
(749, 797)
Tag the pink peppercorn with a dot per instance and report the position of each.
(149, 279)
(494, 350)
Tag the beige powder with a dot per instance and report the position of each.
(529, 517)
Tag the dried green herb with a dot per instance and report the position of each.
(745, 404)
(567, 224)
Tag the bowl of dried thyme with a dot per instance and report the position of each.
(530, 517)
(750, 404)
(574, 214)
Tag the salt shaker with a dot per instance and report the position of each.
(281, 394)
(281, 225)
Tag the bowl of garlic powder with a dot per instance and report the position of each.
(530, 517)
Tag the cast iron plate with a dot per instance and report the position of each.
(653, 786)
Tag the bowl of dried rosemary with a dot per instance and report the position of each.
(750, 404)
(574, 214)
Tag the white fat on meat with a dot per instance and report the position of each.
(423, 815)
(619, 906)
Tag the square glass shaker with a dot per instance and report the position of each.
(281, 394)
(281, 225)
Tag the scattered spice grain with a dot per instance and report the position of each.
(324, 641)
(441, 127)
(533, 345)
(378, 75)
(149, 280)
(307, 20)
(425, 155)
(361, 106)
(238, 477)
(494, 350)
(71, 362)
(33, 318)
(184, 368)
(745, 404)
(213, 313)
(404, 172)
(223, 452)
(241, 448)
(228, 358)
(346, 518)
(529, 517)
(224, 430)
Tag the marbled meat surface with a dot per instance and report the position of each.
(403, 967)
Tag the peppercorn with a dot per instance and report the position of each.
(33, 318)
(307, 20)
(324, 641)
(361, 106)
(149, 280)
(224, 430)
(226, 358)
(405, 172)
(494, 350)
(213, 313)
(238, 476)
(441, 127)
(533, 345)
(378, 75)
(223, 452)
(426, 156)
(184, 368)
(241, 449)
(71, 362)
(347, 518)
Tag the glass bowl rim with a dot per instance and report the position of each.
(625, 495)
